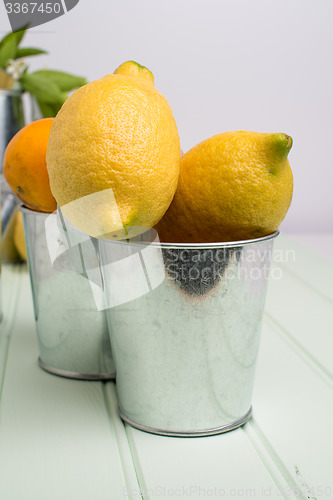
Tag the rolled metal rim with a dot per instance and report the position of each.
(13, 92)
(193, 246)
(75, 375)
(160, 244)
(221, 244)
(200, 433)
(27, 210)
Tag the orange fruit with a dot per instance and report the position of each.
(24, 166)
(232, 186)
(114, 153)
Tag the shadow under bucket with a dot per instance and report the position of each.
(72, 333)
(185, 324)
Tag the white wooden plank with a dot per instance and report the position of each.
(293, 414)
(56, 438)
(132, 491)
(321, 243)
(309, 267)
(10, 283)
(304, 315)
(217, 466)
(277, 469)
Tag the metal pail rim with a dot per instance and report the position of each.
(159, 244)
(11, 92)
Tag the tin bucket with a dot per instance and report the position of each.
(1, 315)
(72, 334)
(185, 323)
(11, 118)
(11, 121)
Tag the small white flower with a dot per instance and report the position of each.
(15, 68)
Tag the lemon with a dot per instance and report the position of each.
(9, 250)
(113, 155)
(19, 240)
(232, 186)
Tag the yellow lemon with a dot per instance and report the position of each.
(113, 155)
(9, 250)
(19, 240)
(233, 186)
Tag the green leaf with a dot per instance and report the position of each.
(20, 33)
(16, 35)
(9, 45)
(42, 88)
(28, 51)
(65, 81)
(58, 104)
(46, 109)
(50, 110)
(7, 51)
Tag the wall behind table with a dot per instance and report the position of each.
(223, 65)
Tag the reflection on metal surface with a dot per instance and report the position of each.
(72, 334)
(186, 350)
(201, 433)
(74, 375)
(11, 118)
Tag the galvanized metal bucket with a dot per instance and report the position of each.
(11, 121)
(1, 314)
(185, 323)
(72, 334)
(11, 118)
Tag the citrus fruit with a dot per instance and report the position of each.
(24, 166)
(19, 240)
(113, 156)
(233, 186)
(9, 251)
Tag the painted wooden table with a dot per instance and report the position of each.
(63, 440)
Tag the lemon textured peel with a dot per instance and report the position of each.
(232, 186)
(118, 135)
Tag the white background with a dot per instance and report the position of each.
(259, 65)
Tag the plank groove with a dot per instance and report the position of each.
(293, 408)
(215, 466)
(305, 264)
(286, 483)
(301, 351)
(132, 491)
(11, 279)
(297, 306)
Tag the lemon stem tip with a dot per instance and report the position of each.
(282, 144)
(134, 69)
